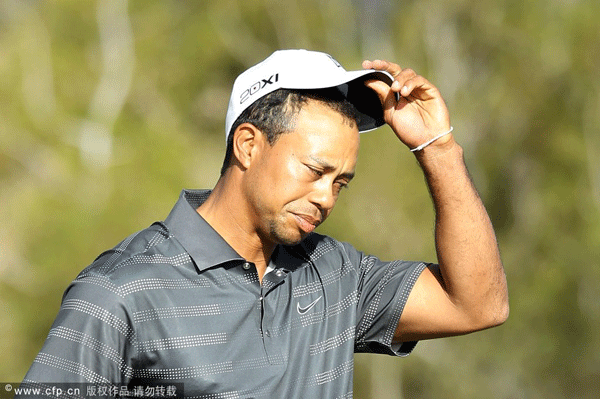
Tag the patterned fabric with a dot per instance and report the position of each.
(175, 303)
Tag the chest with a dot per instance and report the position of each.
(228, 331)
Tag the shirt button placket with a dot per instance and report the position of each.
(269, 341)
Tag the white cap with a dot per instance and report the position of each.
(303, 69)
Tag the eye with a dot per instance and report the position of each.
(315, 171)
(340, 185)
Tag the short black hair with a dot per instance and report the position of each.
(274, 113)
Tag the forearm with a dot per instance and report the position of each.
(468, 255)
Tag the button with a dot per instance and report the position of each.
(267, 333)
(279, 273)
(246, 266)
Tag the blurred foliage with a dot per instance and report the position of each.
(108, 108)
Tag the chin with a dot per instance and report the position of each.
(289, 237)
(291, 240)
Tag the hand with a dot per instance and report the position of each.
(420, 114)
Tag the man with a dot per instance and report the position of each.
(234, 295)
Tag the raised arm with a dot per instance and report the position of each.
(467, 291)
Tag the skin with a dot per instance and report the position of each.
(277, 194)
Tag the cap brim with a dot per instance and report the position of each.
(352, 85)
(366, 101)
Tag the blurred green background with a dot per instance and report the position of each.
(108, 108)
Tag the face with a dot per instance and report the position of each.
(293, 185)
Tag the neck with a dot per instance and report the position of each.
(225, 211)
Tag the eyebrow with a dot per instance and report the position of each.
(328, 167)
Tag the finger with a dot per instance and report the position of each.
(400, 75)
(402, 78)
(418, 87)
(384, 92)
(382, 65)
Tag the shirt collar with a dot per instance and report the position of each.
(195, 234)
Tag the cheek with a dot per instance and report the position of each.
(290, 177)
(272, 185)
(281, 179)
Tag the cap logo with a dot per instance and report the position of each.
(258, 86)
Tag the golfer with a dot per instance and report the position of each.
(234, 294)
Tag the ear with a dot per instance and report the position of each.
(248, 142)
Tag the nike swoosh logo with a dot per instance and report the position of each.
(302, 310)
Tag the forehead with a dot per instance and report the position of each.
(321, 131)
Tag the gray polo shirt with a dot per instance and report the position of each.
(175, 303)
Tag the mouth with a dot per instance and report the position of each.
(306, 223)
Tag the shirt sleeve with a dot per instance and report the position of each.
(92, 339)
(383, 289)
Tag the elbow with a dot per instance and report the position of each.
(504, 312)
(497, 315)
(492, 315)
(498, 308)
(502, 307)
(501, 315)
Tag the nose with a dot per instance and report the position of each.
(323, 196)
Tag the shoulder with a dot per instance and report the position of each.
(146, 254)
(321, 249)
